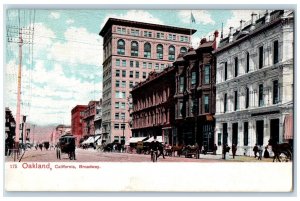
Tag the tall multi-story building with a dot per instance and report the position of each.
(154, 107)
(195, 95)
(77, 115)
(255, 82)
(131, 50)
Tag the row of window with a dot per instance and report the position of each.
(120, 105)
(193, 106)
(137, 64)
(260, 97)
(134, 51)
(117, 127)
(206, 79)
(131, 74)
(119, 115)
(234, 134)
(149, 34)
(260, 60)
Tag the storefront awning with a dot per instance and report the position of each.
(288, 127)
(91, 139)
(158, 138)
(136, 139)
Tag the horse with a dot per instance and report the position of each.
(178, 148)
(278, 149)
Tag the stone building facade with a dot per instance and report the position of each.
(154, 107)
(254, 89)
(131, 51)
(195, 95)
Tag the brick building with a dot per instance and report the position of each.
(77, 115)
(153, 106)
(131, 51)
(88, 119)
(195, 95)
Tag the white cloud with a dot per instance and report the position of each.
(136, 15)
(54, 15)
(201, 16)
(80, 47)
(70, 21)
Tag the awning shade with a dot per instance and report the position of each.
(91, 139)
(158, 138)
(288, 127)
(135, 140)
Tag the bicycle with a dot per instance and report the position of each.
(153, 156)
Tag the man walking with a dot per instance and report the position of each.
(255, 149)
(233, 150)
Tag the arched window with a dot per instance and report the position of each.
(147, 50)
(172, 53)
(121, 47)
(134, 49)
(159, 51)
(183, 50)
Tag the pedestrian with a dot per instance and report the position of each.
(266, 153)
(255, 149)
(233, 150)
(224, 151)
(215, 149)
(161, 150)
(260, 150)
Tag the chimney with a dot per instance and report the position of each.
(267, 19)
(253, 21)
(241, 24)
(230, 34)
(216, 40)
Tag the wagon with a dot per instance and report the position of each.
(191, 151)
(66, 145)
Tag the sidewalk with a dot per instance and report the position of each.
(236, 159)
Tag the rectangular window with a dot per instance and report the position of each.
(261, 57)
(160, 35)
(225, 71)
(123, 73)
(248, 62)
(275, 92)
(275, 52)
(117, 105)
(117, 127)
(147, 34)
(131, 63)
(122, 105)
(122, 115)
(206, 104)
(156, 66)
(144, 75)
(137, 74)
(193, 81)
(180, 109)
(172, 37)
(118, 94)
(117, 83)
(236, 67)
(144, 65)
(219, 139)
(131, 84)
(123, 126)
(117, 115)
(207, 74)
(225, 103)
(117, 62)
(149, 65)
(123, 84)
(124, 63)
(247, 97)
(131, 74)
(181, 84)
(134, 32)
(235, 100)
(162, 66)
(245, 133)
(261, 95)
(137, 64)
(117, 73)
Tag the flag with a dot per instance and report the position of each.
(193, 18)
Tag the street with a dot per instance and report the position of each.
(91, 155)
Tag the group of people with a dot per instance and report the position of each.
(259, 150)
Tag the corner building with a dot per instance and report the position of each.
(254, 86)
(131, 50)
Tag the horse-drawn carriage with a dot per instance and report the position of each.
(190, 151)
(282, 152)
(66, 145)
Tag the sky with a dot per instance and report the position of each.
(62, 64)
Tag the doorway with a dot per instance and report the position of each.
(274, 131)
(260, 132)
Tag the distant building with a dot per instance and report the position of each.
(98, 121)
(77, 115)
(153, 106)
(88, 118)
(255, 65)
(131, 50)
(10, 128)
